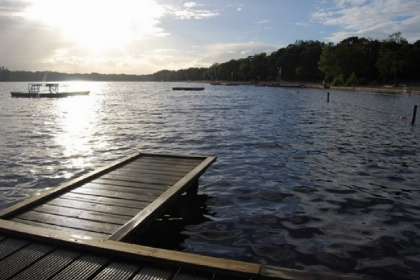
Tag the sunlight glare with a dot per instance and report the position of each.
(77, 128)
(99, 25)
(79, 121)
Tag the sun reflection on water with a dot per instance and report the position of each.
(78, 119)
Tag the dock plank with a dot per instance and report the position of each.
(149, 179)
(106, 200)
(49, 265)
(69, 222)
(43, 226)
(173, 168)
(175, 159)
(150, 173)
(22, 258)
(151, 273)
(82, 214)
(124, 189)
(143, 197)
(117, 270)
(188, 159)
(88, 206)
(83, 268)
(156, 169)
(9, 246)
(123, 183)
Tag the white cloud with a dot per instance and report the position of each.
(304, 24)
(12, 7)
(190, 5)
(376, 19)
(79, 35)
(192, 10)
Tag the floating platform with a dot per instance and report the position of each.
(48, 95)
(35, 90)
(78, 229)
(188, 88)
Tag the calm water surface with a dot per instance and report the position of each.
(299, 182)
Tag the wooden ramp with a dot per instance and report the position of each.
(75, 231)
(28, 253)
(111, 202)
(55, 255)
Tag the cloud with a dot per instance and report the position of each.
(192, 10)
(78, 36)
(9, 7)
(304, 24)
(190, 5)
(25, 43)
(370, 18)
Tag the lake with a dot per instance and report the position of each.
(298, 182)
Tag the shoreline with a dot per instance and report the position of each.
(376, 89)
(410, 89)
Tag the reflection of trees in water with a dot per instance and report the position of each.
(166, 230)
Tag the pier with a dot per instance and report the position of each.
(78, 229)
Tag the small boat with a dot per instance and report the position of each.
(36, 90)
(187, 88)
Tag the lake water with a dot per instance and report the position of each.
(299, 182)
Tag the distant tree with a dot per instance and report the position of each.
(327, 62)
(354, 60)
(309, 54)
(5, 74)
(412, 67)
(352, 55)
(352, 80)
(392, 57)
(339, 80)
(245, 68)
(259, 69)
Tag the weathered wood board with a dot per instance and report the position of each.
(115, 200)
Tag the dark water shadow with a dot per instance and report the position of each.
(166, 231)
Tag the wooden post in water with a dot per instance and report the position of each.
(328, 97)
(413, 119)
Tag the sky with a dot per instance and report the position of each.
(145, 36)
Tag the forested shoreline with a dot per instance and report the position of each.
(353, 61)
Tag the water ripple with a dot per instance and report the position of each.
(301, 183)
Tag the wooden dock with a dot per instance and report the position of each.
(77, 230)
(111, 202)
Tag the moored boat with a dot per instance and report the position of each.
(188, 88)
(50, 90)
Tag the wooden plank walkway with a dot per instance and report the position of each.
(75, 231)
(113, 201)
(52, 254)
(27, 253)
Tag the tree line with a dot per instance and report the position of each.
(352, 61)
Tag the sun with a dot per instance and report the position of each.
(99, 24)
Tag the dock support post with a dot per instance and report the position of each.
(413, 119)
(194, 187)
(328, 97)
